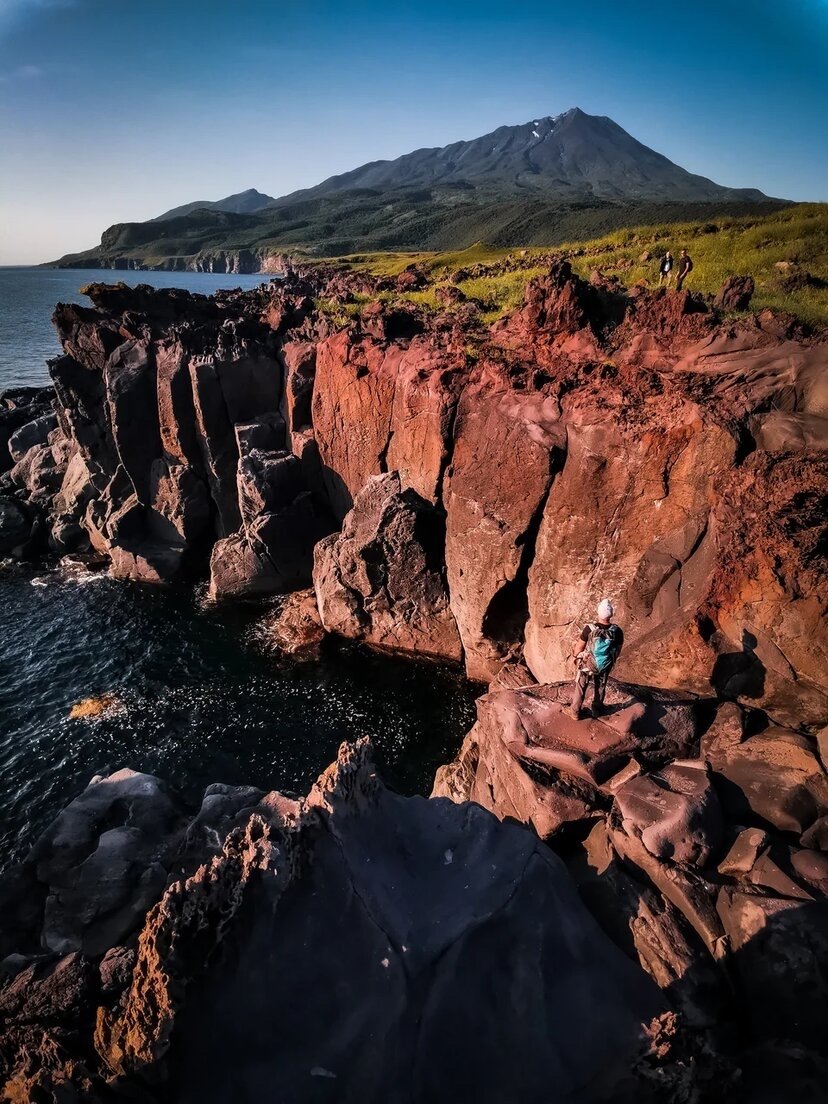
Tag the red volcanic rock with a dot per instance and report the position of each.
(490, 529)
(774, 775)
(593, 540)
(735, 293)
(294, 627)
(428, 386)
(354, 387)
(675, 811)
(528, 759)
(300, 373)
(559, 319)
(411, 279)
(592, 443)
(380, 579)
(272, 552)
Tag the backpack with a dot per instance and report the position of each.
(603, 646)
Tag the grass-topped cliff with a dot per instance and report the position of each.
(786, 253)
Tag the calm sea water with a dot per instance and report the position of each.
(28, 297)
(199, 698)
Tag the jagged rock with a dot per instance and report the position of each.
(649, 929)
(335, 927)
(295, 627)
(817, 835)
(352, 891)
(743, 852)
(735, 293)
(380, 579)
(526, 758)
(691, 893)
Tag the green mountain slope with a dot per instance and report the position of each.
(541, 183)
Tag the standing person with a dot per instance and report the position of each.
(665, 268)
(600, 642)
(685, 268)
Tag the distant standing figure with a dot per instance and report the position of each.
(685, 268)
(601, 642)
(665, 270)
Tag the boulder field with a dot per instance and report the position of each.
(631, 907)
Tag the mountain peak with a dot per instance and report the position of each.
(247, 202)
(571, 157)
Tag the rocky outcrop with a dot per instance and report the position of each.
(735, 293)
(381, 579)
(294, 627)
(308, 931)
(594, 442)
(692, 830)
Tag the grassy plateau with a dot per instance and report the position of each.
(786, 253)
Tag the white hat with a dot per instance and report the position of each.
(605, 609)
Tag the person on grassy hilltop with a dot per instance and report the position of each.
(600, 643)
(665, 269)
(685, 268)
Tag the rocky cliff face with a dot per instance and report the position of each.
(423, 483)
(595, 442)
(696, 834)
(331, 947)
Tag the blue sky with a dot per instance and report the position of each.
(114, 110)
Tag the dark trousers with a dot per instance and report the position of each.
(599, 686)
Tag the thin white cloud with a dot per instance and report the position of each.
(21, 73)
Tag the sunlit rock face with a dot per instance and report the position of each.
(595, 442)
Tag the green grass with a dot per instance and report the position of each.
(723, 247)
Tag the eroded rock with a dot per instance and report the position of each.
(380, 580)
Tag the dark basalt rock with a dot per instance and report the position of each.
(357, 903)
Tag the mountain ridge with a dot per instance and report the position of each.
(240, 203)
(531, 184)
(560, 138)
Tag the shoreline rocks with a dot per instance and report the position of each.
(596, 441)
(370, 910)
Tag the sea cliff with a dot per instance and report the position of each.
(423, 482)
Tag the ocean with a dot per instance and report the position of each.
(196, 696)
(28, 297)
